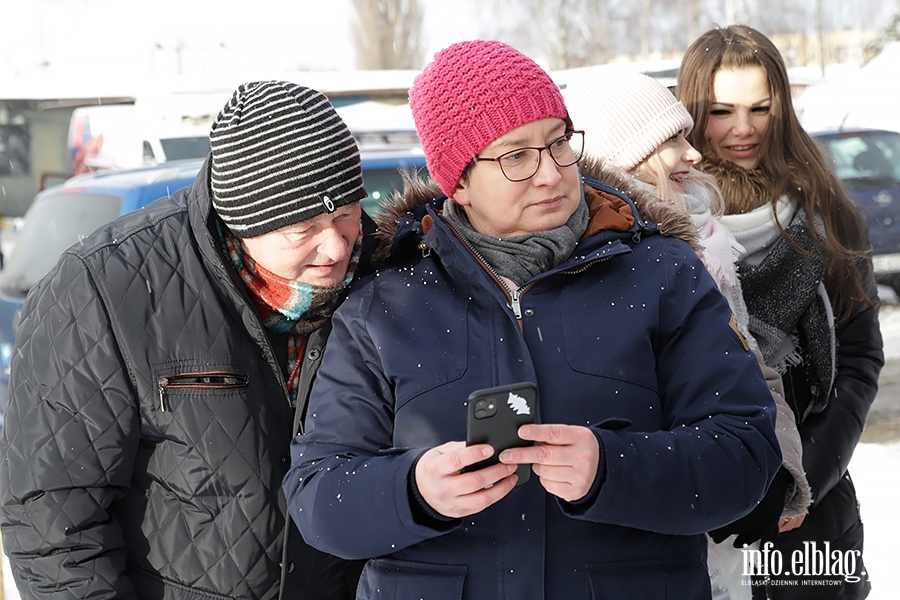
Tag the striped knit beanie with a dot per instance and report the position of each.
(626, 115)
(280, 155)
(470, 95)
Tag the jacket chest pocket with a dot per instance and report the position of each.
(198, 383)
(204, 432)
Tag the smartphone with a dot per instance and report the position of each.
(494, 417)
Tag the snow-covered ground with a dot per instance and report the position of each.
(876, 474)
(875, 469)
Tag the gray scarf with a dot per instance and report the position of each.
(522, 257)
(790, 313)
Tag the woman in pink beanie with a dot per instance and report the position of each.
(636, 125)
(652, 425)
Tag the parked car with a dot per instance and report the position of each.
(868, 162)
(60, 216)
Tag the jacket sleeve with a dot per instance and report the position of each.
(716, 453)
(798, 496)
(830, 436)
(350, 399)
(67, 446)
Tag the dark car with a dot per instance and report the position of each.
(60, 216)
(868, 162)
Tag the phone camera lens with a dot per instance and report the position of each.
(484, 408)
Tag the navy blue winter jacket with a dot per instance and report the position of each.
(629, 336)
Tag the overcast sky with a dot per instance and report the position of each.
(142, 38)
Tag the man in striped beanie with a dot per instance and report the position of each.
(165, 364)
(280, 155)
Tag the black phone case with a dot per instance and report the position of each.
(494, 417)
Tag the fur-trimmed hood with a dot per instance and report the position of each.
(417, 192)
(672, 221)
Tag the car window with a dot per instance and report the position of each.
(866, 157)
(185, 147)
(380, 184)
(149, 157)
(50, 226)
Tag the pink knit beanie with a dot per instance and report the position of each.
(471, 94)
(626, 115)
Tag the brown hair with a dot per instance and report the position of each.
(791, 161)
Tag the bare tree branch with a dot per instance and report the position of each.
(572, 33)
(387, 34)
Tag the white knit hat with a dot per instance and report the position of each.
(626, 115)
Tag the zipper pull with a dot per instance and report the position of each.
(163, 382)
(515, 305)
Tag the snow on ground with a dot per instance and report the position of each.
(875, 469)
(9, 587)
(889, 317)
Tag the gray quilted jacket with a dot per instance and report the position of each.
(148, 427)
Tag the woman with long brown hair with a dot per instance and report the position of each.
(807, 281)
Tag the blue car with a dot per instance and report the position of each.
(60, 216)
(867, 161)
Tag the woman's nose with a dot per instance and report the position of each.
(742, 124)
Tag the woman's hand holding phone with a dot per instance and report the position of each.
(456, 493)
(566, 458)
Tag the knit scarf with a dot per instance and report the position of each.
(522, 257)
(790, 313)
(285, 305)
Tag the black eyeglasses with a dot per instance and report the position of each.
(523, 163)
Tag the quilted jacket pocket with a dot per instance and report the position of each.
(198, 382)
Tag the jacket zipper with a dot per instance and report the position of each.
(216, 380)
(586, 266)
(515, 303)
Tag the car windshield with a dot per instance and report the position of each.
(50, 226)
(863, 159)
(185, 147)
